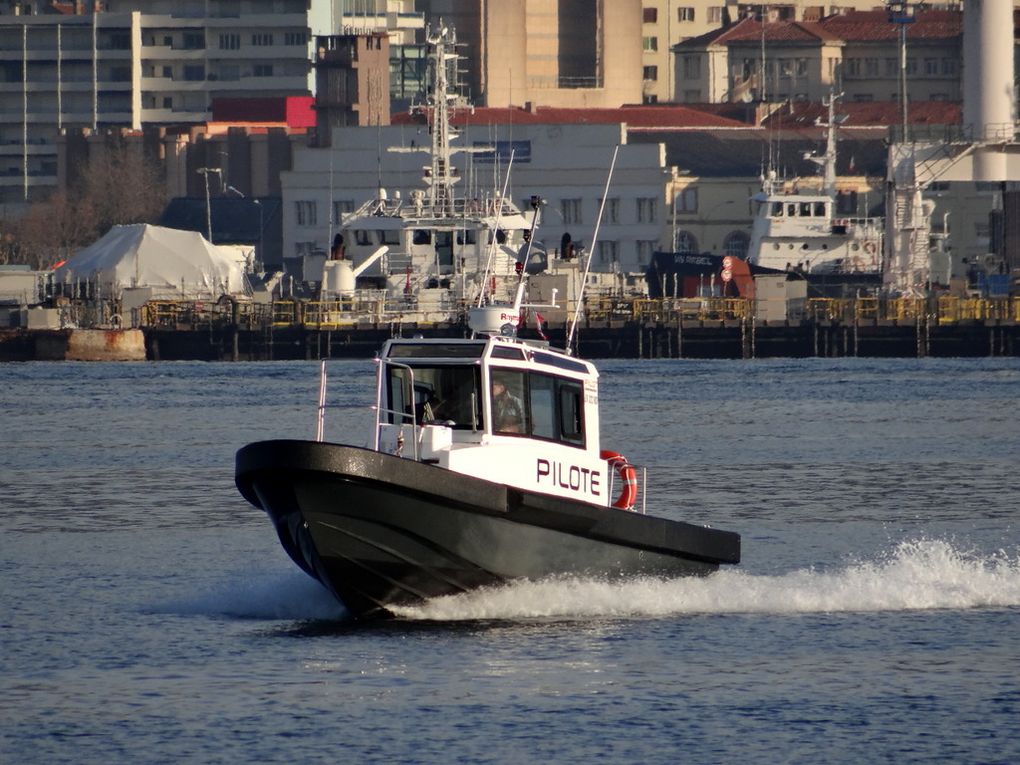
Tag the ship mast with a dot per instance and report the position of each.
(441, 176)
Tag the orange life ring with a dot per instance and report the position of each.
(628, 479)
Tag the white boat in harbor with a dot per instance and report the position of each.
(435, 249)
(802, 232)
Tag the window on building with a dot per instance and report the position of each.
(570, 209)
(647, 209)
(342, 208)
(736, 244)
(194, 72)
(262, 70)
(686, 200)
(609, 252)
(692, 67)
(230, 41)
(911, 66)
(692, 96)
(304, 248)
(262, 39)
(852, 67)
(950, 67)
(871, 67)
(295, 38)
(645, 248)
(168, 102)
(194, 40)
(305, 212)
(650, 15)
(715, 14)
(611, 211)
(685, 14)
(650, 44)
(685, 241)
(650, 73)
(892, 67)
(168, 72)
(931, 66)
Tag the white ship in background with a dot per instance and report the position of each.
(801, 231)
(434, 252)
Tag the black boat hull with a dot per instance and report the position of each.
(379, 531)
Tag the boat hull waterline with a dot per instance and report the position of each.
(379, 530)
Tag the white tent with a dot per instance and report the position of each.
(173, 263)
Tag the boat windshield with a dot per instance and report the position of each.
(447, 394)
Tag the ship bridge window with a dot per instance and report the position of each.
(362, 237)
(805, 209)
(467, 236)
(448, 394)
(538, 405)
(777, 210)
(819, 209)
(422, 236)
(389, 236)
(791, 210)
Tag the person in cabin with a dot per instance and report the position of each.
(507, 410)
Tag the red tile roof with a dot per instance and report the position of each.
(652, 115)
(852, 26)
(867, 26)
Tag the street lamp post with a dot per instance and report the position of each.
(902, 13)
(258, 259)
(204, 171)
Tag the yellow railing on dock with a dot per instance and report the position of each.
(334, 314)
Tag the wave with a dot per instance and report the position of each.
(915, 575)
(290, 596)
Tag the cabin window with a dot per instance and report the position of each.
(777, 210)
(447, 394)
(539, 405)
(363, 237)
(422, 236)
(389, 236)
(467, 236)
(805, 209)
(819, 209)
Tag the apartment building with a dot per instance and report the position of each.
(143, 63)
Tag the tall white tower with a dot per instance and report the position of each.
(989, 97)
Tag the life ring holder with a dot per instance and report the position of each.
(628, 479)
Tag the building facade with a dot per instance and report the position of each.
(569, 53)
(140, 63)
(857, 53)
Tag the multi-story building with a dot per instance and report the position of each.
(857, 53)
(142, 63)
(668, 22)
(570, 53)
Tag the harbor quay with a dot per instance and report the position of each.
(703, 328)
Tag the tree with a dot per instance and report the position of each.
(118, 184)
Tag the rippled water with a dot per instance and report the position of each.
(148, 614)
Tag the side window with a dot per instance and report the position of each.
(543, 406)
(571, 413)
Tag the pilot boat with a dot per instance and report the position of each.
(485, 465)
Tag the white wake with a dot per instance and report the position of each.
(919, 575)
